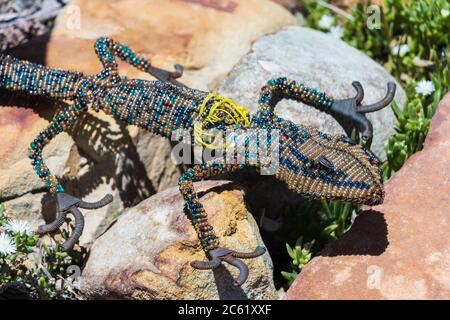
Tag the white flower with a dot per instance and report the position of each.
(19, 226)
(445, 13)
(7, 246)
(425, 87)
(400, 50)
(336, 32)
(326, 22)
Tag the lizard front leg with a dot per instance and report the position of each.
(199, 219)
(347, 112)
(66, 204)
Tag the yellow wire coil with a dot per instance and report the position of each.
(223, 110)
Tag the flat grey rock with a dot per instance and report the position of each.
(320, 61)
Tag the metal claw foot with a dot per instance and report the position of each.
(391, 87)
(351, 114)
(232, 257)
(167, 76)
(69, 204)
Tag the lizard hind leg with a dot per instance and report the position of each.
(196, 213)
(66, 203)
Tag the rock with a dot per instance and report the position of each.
(19, 127)
(147, 253)
(320, 61)
(28, 207)
(291, 5)
(400, 249)
(99, 153)
(103, 160)
(207, 45)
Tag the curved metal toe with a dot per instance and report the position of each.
(242, 267)
(391, 87)
(249, 255)
(215, 260)
(107, 199)
(52, 226)
(77, 232)
(178, 73)
(205, 265)
(359, 91)
(366, 129)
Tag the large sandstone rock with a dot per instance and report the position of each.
(398, 250)
(321, 61)
(146, 254)
(100, 155)
(207, 37)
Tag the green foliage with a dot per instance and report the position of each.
(311, 13)
(300, 255)
(116, 215)
(33, 269)
(339, 217)
(321, 221)
(422, 28)
(411, 41)
(413, 122)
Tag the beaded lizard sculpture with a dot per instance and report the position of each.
(312, 163)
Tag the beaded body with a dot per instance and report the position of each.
(312, 163)
(159, 107)
(153, 105)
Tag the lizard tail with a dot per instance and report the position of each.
(35, 79)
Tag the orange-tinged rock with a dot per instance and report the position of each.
(400, 249)
(207, 37)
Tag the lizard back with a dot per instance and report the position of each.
(157, 106)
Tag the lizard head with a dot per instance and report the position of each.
(328, 167)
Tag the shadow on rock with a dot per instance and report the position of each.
(368, 236)
(226, 290)
(110, 155)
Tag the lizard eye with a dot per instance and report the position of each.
(325, 162)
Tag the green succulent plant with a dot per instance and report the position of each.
(300, 255)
